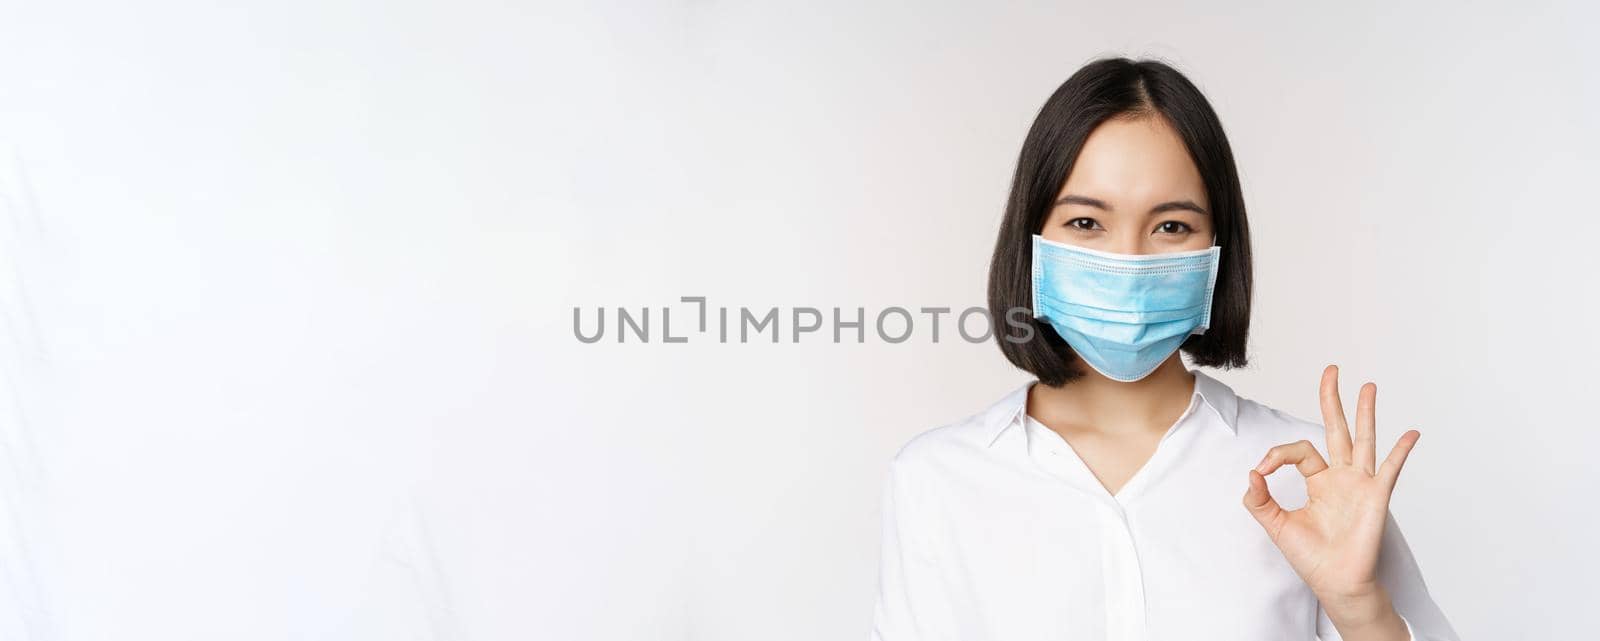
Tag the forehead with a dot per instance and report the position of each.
(1135, 159)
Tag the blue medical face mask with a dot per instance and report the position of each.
(1124, 314)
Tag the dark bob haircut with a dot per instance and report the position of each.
(1102, 90)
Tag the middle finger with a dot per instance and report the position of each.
(1333, 418)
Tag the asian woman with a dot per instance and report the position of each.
(1121, 495)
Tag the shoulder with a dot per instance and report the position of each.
(963, 439)
(930, 446)
(1263, 424)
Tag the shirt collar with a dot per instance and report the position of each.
(1009, 410)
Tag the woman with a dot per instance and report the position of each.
(1104, 500)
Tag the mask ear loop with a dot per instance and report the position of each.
(1211, 288)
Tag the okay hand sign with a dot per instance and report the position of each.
(1332, 542)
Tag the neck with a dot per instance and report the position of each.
(1094, 402)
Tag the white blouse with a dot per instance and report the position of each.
(994, 529)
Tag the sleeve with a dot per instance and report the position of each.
(912, 604)
(1399, 575)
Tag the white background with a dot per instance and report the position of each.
(287, 294)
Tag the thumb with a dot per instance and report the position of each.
(1259, 501)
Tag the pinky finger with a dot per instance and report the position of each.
(1389, 472)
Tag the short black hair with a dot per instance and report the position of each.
(1104, 89)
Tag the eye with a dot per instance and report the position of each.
(1174, 227)
(1083, 224)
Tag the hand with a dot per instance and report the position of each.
(1332, 542)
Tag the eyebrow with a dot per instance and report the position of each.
(1171, 205)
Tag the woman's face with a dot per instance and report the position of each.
(1133, 190)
